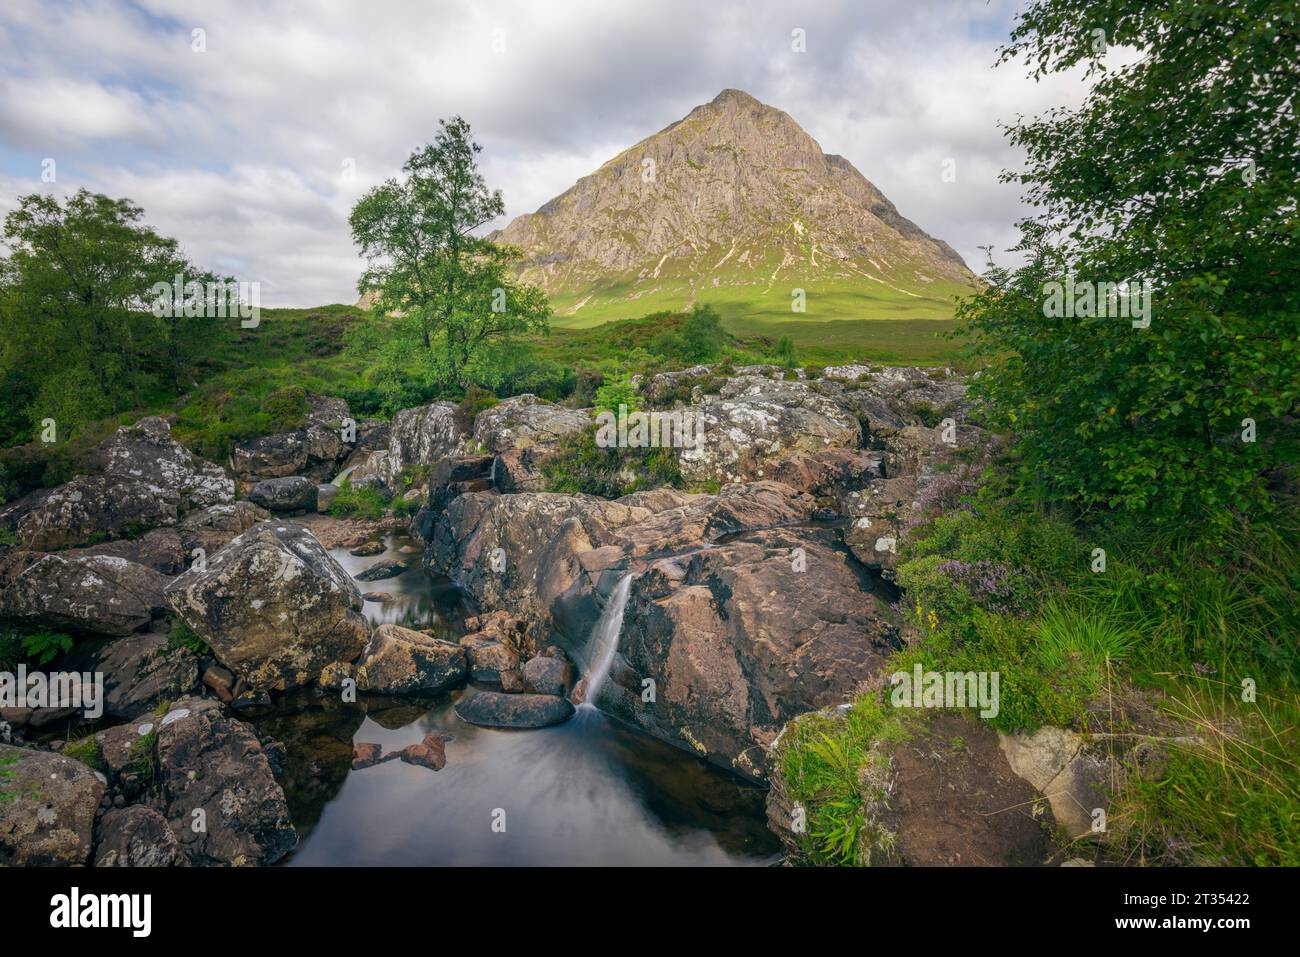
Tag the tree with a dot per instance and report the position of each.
(426, 264)
(1179, 170)
(75, 304)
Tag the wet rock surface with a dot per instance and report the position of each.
(492, 709)
(398, 660)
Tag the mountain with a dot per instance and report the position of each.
(737, 206)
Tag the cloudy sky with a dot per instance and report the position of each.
(253, 149)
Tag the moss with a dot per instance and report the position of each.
(88, 752)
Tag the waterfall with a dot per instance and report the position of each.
(604, 640)
(342, 476)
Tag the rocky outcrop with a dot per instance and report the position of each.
(518, 552)
(523, 432)
(47, 808)
(93, 593)
(213, 769)
(146, 452)
(942, 796)
(400, 661)
(1074, 775)
(91, 507)
(754, 422)
(525, 421)
(420, 438)
(706, 519)
(274, 606)
(741, 637)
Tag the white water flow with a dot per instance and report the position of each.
(604, 640)
(339, 479)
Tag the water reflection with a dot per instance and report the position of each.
(590, 791)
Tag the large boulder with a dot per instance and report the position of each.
(172, 549)
(274, 606)
(47, 808)
(271, 456)
(754, 422)
(398, 660)
(291, 494)
(741, 637)
(495, 709)
(420, 438)
(215, 765)
(524, 421)
(523, 432)
(90, 508)
(146, 452)
(95, 593)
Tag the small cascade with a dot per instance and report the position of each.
(342, 476)
(604, 641)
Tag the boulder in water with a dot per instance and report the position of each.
(493, 709)
(398, 660)
(381, 571)
(547, 676)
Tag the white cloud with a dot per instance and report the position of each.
(239, 151)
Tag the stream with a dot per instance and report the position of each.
(586, 792)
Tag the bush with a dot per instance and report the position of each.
(366, 502)
(475, 401)
(617, 390)
(285, 409)
(700, 338)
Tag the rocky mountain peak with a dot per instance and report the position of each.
(733, 201)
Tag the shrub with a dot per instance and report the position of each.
(285, 409)
(366, 502)
(475, 401)
(581, 466)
